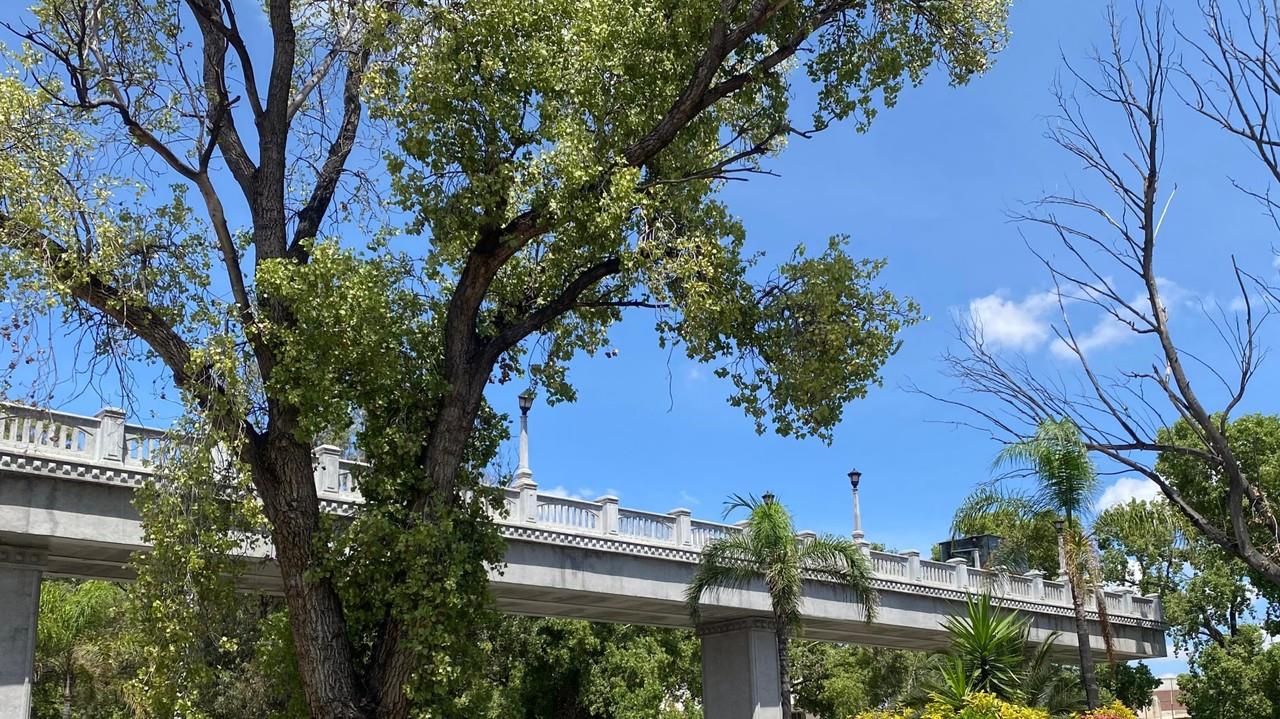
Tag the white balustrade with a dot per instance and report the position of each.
(896, 566)
(645, 525)
(568, 513)
(107, 439)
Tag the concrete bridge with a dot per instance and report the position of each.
(66, 486)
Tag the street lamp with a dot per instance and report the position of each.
(523, 473)
(855, 477)
(768, 497)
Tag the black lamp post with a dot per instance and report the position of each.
(855, 478)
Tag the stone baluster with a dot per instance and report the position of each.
(327, 457)
(608, 514)
(527, 504)
(109, 444)
(684, 529)
(960, 567)
(1037, 584)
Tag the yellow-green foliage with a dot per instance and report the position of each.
(1114, 710)
(978, 705)
(981, 705)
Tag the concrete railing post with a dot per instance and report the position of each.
(527, 504)
(608, 514)
(1037, 584)
(1126, 601)
(109, 443)
(807, 536)
(684, 527)
(327, 457)
(913, 564)
(1157, 609)
(960, 566)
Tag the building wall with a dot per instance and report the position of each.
(1167, 702)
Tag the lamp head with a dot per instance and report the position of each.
(768, 498)
(854, 478)
(526, 401)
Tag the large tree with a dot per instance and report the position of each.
(196, 183)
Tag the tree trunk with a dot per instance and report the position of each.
(68, 689)
(783, 632)
(1088, 676)
(285, 480)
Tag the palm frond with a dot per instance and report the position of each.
(844, 561)
(729, 562)
(737, 501)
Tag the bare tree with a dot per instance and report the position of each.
(1111, 264)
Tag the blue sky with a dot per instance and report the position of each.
(930, 188)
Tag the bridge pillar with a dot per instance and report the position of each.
(20, 570)
(740, 670)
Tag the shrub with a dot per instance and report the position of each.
(1114, 710)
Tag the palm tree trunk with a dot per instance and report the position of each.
(1088, 676)
(783, 633)
(68, 686)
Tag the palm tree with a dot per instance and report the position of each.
(1066, 484)
(74, 621)
(768, 550)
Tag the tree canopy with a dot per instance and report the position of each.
(318, 213)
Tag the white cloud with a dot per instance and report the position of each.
(1016, 324)
(1125, 489)
(561, 491)
(1106, 332)
(689, 498)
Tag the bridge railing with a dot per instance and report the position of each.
(107, 440)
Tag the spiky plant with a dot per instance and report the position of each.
(768, 551)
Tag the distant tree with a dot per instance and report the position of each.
(570, 669)
(78, 624)
(768, 550)
(1132, 684)
(1207, 594)
(835, 681)
(1239, 678)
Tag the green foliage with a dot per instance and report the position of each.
(556, 669)
(80, 659)
(1206, 593)
(838, 680)
(1237, 679)
(517, 145)
(989, 645)
(1028, 538)
(1065, 480)
(768, 550)
(1255, 443)
(1133, 685)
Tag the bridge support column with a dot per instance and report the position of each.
(740, 670)
(20, 570)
